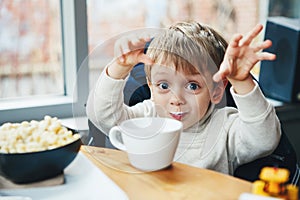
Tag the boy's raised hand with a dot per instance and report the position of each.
(240, 58)
(128, 51)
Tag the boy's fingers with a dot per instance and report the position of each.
(223, 72)
(128, 44)
(266, 56)
(235, 40)
(264, 45)
(145, 59)
(251, 35)
(121, 48)
(217, 77)
(138, 43)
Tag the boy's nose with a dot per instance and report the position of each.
(177, 99)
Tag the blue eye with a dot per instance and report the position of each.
(193, 86)
(163, 85)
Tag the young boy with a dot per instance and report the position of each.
(187, 70)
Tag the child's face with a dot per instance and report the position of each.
(180, 96)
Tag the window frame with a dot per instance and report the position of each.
(75, 67)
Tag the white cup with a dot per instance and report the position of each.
(149, 142)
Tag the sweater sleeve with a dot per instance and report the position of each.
(256, 129)
(105, 105)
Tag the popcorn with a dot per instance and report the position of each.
(34, 136)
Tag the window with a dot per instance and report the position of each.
(107, 19)
(30, 50)
(65, 54)
(78, 28)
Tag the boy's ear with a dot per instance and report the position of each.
(148, 82)
(218, 91)
(150, 85)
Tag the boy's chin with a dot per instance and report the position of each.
(188, 124)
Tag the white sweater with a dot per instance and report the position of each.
(222, 140)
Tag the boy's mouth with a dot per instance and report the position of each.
(177, 115)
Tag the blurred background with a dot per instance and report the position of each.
(31, 61)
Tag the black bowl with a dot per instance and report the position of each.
(30, 167)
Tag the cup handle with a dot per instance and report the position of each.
(115, 138)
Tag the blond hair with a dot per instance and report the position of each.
(190, 46)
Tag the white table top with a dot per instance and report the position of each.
(83, 181)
